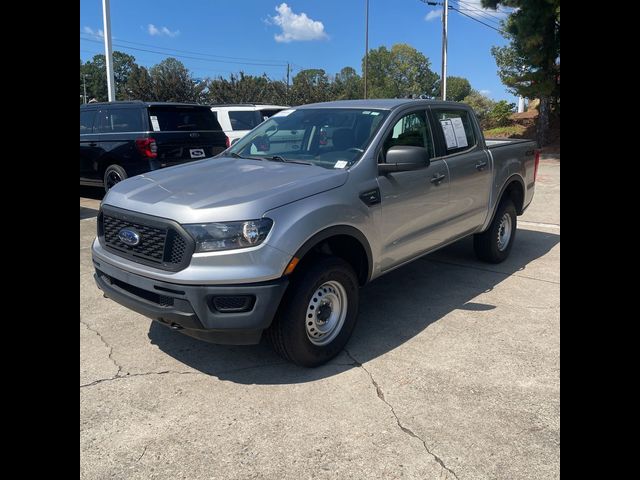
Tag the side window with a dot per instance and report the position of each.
(102, 122)
(118, 120)
(126, 120)
(86, 121)
(457, 129)
(410, 130)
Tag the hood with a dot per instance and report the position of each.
(221, 189)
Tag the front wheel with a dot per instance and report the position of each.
(318, 313)
(494, 245)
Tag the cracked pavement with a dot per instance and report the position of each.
(452, 372)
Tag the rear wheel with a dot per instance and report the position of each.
(494, 245)
(317, 314)
(112, 175)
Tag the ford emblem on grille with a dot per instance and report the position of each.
(129, 237)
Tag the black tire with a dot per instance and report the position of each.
(288, 332)
(112, 175)
(487, 244)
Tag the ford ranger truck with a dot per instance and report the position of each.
(275, 235)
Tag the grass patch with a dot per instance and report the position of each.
(509, 131)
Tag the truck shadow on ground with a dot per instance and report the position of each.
(393, 309)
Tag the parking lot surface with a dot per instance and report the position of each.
(452, 372)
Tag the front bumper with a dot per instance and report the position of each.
(191, 308)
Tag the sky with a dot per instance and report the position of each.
(220, 37)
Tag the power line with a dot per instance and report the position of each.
(280, 63)
(479, 21)
(473, 7)
(187, 56)
(479, 13)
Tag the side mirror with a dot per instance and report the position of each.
(403, 158)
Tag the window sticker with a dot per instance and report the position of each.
(155, 124)
(340, 164)
(458, 129)
(284, 113)
(449, 134)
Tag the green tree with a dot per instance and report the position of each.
(457, 88)
(96, 75)
(243, 88)
(399, 72)
(530, 64)
(500, 113)
(347, 85)
(481, 105)
(310, 86)
(172, 82)
(139, 85)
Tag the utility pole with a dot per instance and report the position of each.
(445, 22)
(106, 15)
(288, 69)
(445, 19)
(366, 46)
(84, 86)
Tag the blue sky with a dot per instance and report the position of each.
(326, 34)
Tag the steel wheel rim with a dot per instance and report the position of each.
(504, 232)
(326, 312)
(112, 178)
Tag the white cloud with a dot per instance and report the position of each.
(433, 14)
(96, 33)
(153, 31)
(485, 92)
(296, 26)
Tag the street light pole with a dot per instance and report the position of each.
(106, 15)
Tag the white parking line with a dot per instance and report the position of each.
(538, 224)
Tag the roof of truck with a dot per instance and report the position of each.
(378, 103)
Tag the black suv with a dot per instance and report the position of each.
(122, 139)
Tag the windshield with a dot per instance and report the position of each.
(327, 137)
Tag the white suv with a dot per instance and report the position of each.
(239, 119)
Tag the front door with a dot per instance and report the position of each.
(414, 203)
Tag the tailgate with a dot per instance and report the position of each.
(183, 146)
(185, 132)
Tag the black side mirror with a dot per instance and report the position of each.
(403, 158)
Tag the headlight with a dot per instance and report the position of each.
(211, 237)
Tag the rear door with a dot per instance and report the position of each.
(461, 146)
(184, 133)
(89, 150)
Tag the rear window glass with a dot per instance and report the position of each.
(244, 120)
(182, 119)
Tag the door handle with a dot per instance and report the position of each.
(93, 144)
(437, 178)
(480, 165)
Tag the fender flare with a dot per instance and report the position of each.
(332, 232)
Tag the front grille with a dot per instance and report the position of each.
(162, 300)
(163, 244)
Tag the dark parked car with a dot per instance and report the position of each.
(123, 139)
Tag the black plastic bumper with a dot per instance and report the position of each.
(190, 308)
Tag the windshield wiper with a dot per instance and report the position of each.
(278, 158)
(236, 155)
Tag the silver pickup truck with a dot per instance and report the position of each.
(277, 233)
